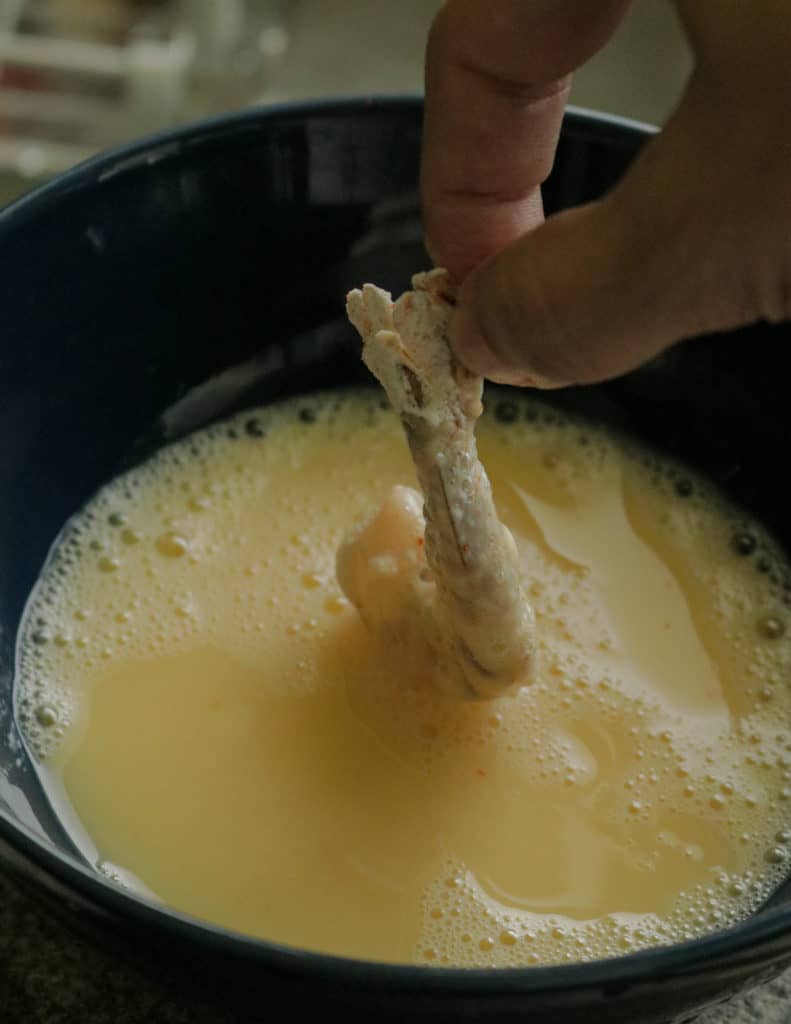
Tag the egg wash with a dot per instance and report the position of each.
(235, 744)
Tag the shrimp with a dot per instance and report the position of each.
(458, 592)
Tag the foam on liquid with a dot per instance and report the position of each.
(230, 735)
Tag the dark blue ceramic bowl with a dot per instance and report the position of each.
(128, 288)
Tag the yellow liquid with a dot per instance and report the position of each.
(231, 736)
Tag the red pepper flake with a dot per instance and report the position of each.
(465, 548)
(481, 772)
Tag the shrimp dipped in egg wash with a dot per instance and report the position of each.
(460, 594)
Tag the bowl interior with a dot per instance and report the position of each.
(184, 278)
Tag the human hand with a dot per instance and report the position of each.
(695, 238)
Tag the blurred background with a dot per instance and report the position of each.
(78, 76)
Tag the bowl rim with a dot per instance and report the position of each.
(692, 957)
(152, 148)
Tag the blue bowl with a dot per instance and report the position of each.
(184, 277)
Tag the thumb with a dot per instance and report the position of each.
(597, 290)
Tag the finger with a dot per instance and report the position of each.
(597, 290)
(497, 80)
(741, 45)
